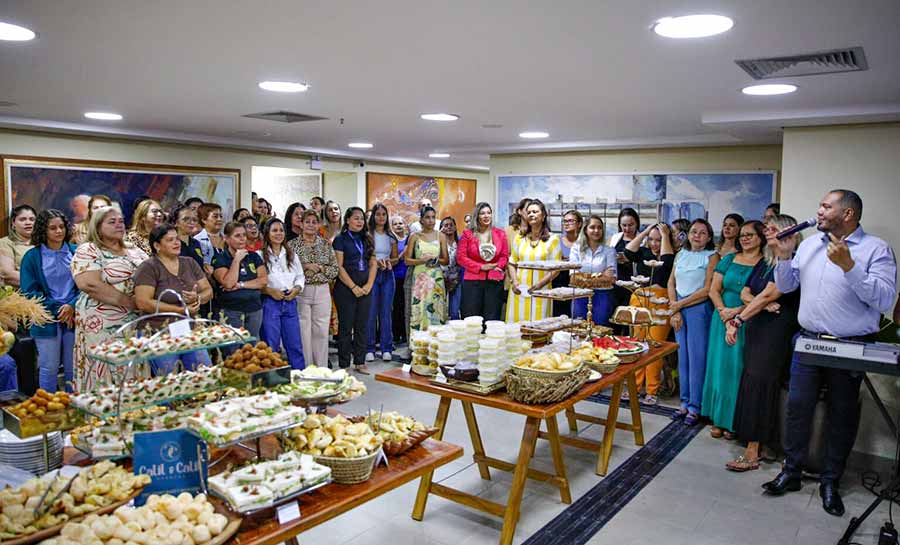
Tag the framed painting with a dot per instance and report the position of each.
(402, 193)
(655, 196)
(66, 185)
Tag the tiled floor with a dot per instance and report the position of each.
(693, 501)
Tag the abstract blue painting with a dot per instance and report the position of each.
(657, 197)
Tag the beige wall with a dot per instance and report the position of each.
(864, 158)
(346, 179)
(652, 160)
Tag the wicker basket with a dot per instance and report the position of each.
(602, 368)
(536, 389)
(350, 470)
(538, 373)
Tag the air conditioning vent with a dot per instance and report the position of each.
(284, 116)
(822, 62)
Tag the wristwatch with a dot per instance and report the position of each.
(241, 285)
(739, 320)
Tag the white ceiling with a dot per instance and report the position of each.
(590, 72)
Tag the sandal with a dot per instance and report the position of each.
(716, 432)
(679, 414)
(728, 435)
(691, 419)
(742, 464)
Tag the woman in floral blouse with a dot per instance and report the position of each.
(102, 267)
(321, 268)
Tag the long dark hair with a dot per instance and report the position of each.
(455, 227)
(368, 241)
(740, 221)
(516, 219)
(545, 228)
(387, 226)
(760, 232)
(289, 214)
(15, 214)
(39, 233)
(266, 229)
(629, 212)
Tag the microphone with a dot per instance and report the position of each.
(796, 229)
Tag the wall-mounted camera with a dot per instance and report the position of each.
(362, 164)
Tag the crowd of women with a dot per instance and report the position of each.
(367, 279)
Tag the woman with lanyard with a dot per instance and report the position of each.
(595, 258)
(320, 269)
(658, 252)
(483, 253)
(285, 280)
(381, 308)
(572, 223)
(538, 244)
(426, 251)
(402, 292)
(47, 275)
(357, 269)
(241, 276)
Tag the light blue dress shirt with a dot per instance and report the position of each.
(593, 261)
(690, 271)
(834, 302)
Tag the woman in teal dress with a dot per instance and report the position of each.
(724, 362)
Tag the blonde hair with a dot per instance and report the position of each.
(781, 222)
(93, 230)
(140, 214)
(582, 240)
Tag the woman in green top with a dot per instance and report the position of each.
(425, 251)
(724, 362)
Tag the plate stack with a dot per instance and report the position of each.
(28, 454)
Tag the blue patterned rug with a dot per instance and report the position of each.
(589, 513)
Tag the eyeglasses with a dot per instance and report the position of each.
(189, 219)
(570, 221)
(747, 235)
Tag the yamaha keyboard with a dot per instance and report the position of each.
(863, 357)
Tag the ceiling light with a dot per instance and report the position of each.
(769, 89)
(103, 116)
(439, 117)
(283, 86)
(534, 134)
(439, 155)
(361, 145)
(15, 33)
(692, 26)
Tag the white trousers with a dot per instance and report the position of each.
(315, 314)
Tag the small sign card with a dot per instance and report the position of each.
(407, 367)
(181, 328)
(288, 512)
(174, 459)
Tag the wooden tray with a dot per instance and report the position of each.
(53, 530)
(470, 387)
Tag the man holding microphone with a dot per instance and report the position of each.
(847, 280)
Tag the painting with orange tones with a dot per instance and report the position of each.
(401, 194)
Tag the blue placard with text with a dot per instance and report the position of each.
(175, 460)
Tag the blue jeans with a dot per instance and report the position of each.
(382, 310)
(51, 352)
(601, 309)
(251, 321)
(453, 301)
(842, 415)
(8, 379)
(693, 338)
(166, 364)
(281, 326)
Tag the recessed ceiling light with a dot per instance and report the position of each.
(283, 86)
(692, 26)
(15, 33)
(769, 89)
(361, 145)
(439, 155)
(534, 134)
(103, 116)
(439, 117)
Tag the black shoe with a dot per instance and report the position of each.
(831, 499)
(784, 482)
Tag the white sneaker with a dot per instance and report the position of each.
(370, 356)
(386, 356)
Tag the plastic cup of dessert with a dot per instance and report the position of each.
(495, 333)
(474, 320)
(457, 324)
(495, 323)
(446, 337)
(491, 342)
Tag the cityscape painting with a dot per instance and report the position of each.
(656, 197)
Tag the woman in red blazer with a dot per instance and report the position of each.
(483, 252)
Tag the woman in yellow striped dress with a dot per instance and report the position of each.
(537, 244)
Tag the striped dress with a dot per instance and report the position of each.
(522, 309)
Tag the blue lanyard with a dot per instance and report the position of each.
(361, 249)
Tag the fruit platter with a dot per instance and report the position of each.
(627, 349)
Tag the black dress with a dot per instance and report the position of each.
(767, 358)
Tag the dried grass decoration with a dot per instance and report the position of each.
(15, 310)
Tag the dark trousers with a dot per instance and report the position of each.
(482, 298)
(842, 416)
(353, 318)
(399, 317)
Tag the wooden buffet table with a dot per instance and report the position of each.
(535, 414)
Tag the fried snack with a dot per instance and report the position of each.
(254, 358)
(42, 403)
(549, 362)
